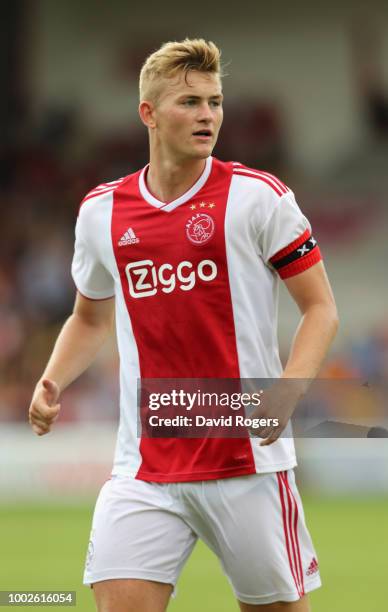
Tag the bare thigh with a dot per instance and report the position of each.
(131, 595)
(302, 605)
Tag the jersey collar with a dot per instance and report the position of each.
(183, 198)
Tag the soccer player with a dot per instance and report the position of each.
(188, 252)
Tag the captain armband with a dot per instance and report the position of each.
(297, 257)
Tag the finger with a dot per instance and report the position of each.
(40, 431)
(265, 432)
(44, 412)
(254, 432)
(50, 385)
(270, 439)
(40, 428)
(51, 388)
(35, 417)
(257, 433)
(39, 423)
(40, 420)
(267, 442)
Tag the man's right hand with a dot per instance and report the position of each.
(44, 408)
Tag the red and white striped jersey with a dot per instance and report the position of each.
(196, 287)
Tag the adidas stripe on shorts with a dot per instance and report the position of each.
(254, 524)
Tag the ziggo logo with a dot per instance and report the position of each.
(144, 278)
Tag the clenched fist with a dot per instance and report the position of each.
(44, 408)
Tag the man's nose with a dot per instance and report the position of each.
(205, 113)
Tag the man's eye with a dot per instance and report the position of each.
(189, 102)
(215, 103)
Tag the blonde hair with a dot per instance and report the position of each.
(173, 57)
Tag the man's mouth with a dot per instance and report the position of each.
(203, 133)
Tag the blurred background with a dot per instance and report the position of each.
(306, 98)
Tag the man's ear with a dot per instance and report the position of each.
(147, 113)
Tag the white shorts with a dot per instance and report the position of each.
(255, 525)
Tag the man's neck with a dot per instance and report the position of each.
(168, 180)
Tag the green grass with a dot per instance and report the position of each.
(43, 548)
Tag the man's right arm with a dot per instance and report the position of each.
(76, 347)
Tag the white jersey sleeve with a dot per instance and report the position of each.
(284, 225)
(285, 240)
(91, 277)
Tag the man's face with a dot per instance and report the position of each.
(188, 115)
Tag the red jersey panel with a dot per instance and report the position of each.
(176, 289)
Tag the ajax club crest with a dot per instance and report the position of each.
(200, 228)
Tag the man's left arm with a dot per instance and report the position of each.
(319, 323)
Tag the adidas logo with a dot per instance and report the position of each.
(128, 238)
(313, 567)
